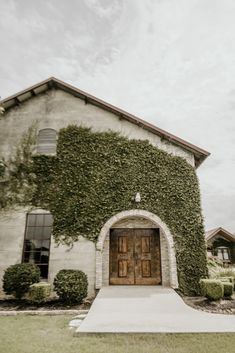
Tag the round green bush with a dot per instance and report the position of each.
(18, 278)
(71, 286)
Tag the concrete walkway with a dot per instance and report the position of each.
(149, 309)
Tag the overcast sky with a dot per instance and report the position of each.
(171, 62)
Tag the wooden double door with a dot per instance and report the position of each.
(135, 256)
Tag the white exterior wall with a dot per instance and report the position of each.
(12, 228)
(57, 109)
(80, 257)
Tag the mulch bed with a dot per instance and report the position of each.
(223, 306)
(8, 303)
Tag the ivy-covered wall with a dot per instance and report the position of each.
(95, 175)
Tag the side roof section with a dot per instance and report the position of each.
(213, 232)
(199, 154)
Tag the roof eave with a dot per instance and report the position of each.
(224, 233)
(199, 154)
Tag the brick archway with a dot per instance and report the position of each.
(173, 280)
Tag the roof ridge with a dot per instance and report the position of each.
(209, 234)
(199, 154)
(212, 230)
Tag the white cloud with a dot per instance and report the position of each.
(171, 62)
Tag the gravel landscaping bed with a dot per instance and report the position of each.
(223, 306)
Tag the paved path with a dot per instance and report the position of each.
(149, 309)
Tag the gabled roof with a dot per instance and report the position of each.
(213, 232)
(199, 154)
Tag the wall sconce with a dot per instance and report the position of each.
(137, 197)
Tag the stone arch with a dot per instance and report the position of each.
(165, 231)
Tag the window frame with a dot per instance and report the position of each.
(35, 213)
(54, 144)
(222, 250)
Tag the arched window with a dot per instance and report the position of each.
(46, 143)
(37, 240)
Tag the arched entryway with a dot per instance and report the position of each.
(136, 219)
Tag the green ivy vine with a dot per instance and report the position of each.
(96, 174)
(16, 176)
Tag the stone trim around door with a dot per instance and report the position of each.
(102, 246)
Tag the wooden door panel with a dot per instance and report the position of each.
(122, 268)
(121, 257)
(122, 244)
(147, 255)
(146, 268)
(145, 244)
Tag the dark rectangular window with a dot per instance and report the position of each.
(37, 241)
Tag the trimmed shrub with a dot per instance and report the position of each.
(229, 277)
(39, 292)
(226, 279)
(71, 286)
(18, 278)
(228, 289)
(212, 289)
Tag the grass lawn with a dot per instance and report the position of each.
(38, 334)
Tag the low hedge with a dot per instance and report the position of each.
(39, 292)
(212, 289)
(71, 285)
(228, 289)
(227, 279)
